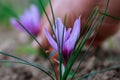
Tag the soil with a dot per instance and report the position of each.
(107, 56)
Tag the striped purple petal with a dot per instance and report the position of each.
(67, 34)
(51, 40)
(70, 43)
(35, 15)
(15, 23)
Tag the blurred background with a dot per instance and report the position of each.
(20, 44)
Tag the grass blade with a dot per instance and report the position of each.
(60, 55)
(50, 24)
(42, 6)
(100, 71)
(48, 72)
(90, 18)
(114, 17)
(29, 63)
(52, 12)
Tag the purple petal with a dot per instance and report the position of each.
(50, 40)
(67, 34)
(35, 15)
(70, 43)
(27, 22)
(59, 27)
(76, 29)
(15, 24)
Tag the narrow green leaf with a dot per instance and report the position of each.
(45, 13)
(114, 17)
(60, 54)
(93, 73)
(49, 73)
(50, 26)
(52, 12)
(90, 19)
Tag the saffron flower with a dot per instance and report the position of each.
(65, 37)
(30, 19)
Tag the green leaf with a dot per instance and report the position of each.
(93, 73)
(114, 17)
(29, 63)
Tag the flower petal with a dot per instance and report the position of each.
(59, 27)
(76, 29)
(15, 24)
(50, 40)
(70, 43)
(35, 15)
(67, 34)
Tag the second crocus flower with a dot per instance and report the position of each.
(30, 19)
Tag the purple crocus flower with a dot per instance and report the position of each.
(30, 19)
(66, 41)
